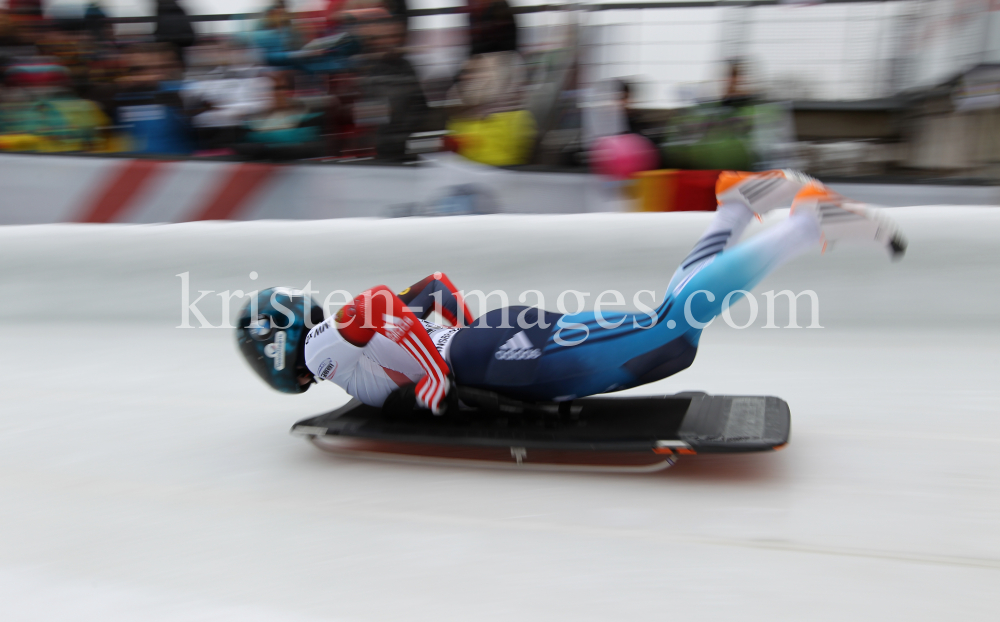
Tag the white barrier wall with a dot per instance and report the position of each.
(38, 189)
(47, 189)
(129, 273)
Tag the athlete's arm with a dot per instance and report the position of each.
(379, 311)
(329, 356)
(437, 293)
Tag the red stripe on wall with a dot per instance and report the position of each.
(241, 183)
(118, 192)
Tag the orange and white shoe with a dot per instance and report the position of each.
(842, 220)
(761, 192)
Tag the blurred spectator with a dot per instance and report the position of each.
(737, 92)
(283, 45)
(70, 46)
(173, 27)
(225, 91)
(728, 133)
(633, 122)
(149, 104)
(492, 125)
(25, 9)
(391, 97)
(14, 39)
(9, 44)
(277, 39)
(95, 20)
(229, 88)
(399, 10)
(331, 15)
(73, 84)
(8, 37)
(492, 27)
(39, 112)
(287, 130)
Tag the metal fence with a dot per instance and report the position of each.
(837, 50)
(676, 51)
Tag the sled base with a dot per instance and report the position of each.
(632, 434)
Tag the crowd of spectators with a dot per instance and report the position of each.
(295, 86)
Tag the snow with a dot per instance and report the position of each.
(146, 474)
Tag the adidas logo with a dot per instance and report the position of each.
(518, 348)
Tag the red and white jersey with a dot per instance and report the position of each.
(371, 372)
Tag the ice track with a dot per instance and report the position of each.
(146, 474)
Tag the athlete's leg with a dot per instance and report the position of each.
(740, 196)
(585, 353)
(700, 296)
(544, 356)
(642, 349)
(727, 227)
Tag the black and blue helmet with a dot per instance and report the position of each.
(271, 332)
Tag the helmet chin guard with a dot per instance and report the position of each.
(271, 333)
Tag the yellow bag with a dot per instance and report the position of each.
(500, 139)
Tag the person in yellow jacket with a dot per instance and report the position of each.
(492, 126)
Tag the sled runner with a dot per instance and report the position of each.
(592, 433)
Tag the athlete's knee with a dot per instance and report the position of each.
(666, 360)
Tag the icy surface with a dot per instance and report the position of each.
(146, 474)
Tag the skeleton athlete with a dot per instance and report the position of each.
(382, 342)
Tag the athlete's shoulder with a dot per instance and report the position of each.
(320, 335)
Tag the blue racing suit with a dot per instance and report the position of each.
(536, 355)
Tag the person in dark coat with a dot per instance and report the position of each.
(492, 27)
(392, 98)
(173, 26)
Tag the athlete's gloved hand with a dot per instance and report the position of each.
(437, 396)
(387, 315)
